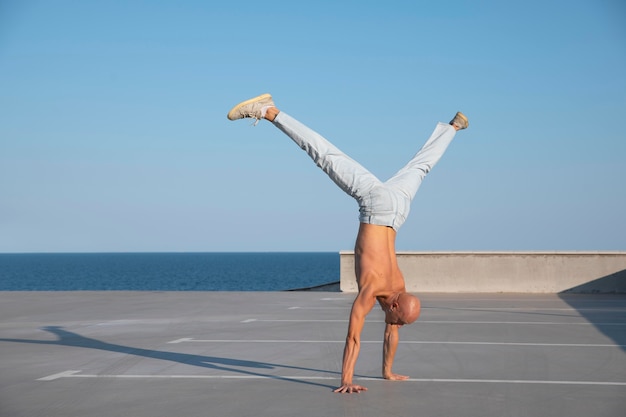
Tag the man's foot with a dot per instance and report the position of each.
(252, 109)
(459, 121)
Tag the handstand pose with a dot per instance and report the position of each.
(383, 208)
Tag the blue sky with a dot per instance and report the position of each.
(114, 137)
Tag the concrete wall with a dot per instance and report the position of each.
(519, 272)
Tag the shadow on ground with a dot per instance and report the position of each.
(71, 339)
(602, 302)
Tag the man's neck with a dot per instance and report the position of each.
(386, 301)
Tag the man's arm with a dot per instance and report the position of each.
(390, 344)
(362, 305)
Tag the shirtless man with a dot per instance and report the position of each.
(383, 208)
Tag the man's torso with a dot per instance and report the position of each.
(376, 265)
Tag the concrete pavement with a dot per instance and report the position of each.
(279, 354)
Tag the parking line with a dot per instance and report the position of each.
(407, 342)
(184, 339)
(515, 309)
(65, 374)
(77, 374)
(549, 323)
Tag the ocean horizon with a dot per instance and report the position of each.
(167, 271)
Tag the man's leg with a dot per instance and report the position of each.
(408, 179)
(405, 183)
(348, 174)
(385, 204)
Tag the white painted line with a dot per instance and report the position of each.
(293, 308)
(65, 374)
(550, 323)
(558, 323)
(248, 321)
(529, 309)
(76, 374)
(487, 308)
(309, 321)
(406, 342)
(184, 339)
(346, 308)
(517, 381)
(266, 341)
(515, 344)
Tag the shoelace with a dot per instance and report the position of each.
(251, 114)
(256, 120)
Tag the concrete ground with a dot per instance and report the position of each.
(143, 354)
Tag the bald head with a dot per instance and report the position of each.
(409, 307)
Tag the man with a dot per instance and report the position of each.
(383, 209)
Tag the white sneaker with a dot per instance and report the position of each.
(460, 121)
(252, 108)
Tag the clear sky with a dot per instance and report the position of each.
(114, 137)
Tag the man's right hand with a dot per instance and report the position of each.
(350, 388)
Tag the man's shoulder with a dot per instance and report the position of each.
(363, 303)
(367, 291)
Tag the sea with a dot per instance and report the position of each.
(213, 271)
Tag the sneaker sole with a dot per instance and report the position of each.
(233, 112)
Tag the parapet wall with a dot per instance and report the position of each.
(514, 272)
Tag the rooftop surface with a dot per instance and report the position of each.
(279, 354)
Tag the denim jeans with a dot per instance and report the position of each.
(381, 203)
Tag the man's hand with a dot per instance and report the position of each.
(396, 377)
(350, 388)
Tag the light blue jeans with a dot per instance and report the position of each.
(381, 203)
